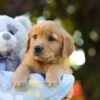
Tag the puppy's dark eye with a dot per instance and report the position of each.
(34, 36)
(51, 38)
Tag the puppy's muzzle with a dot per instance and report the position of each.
(38, 49)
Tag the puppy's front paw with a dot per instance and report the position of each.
(53, 81)
(19, 82)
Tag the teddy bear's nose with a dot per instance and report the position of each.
(6, 36)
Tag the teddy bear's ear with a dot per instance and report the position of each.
(25, 21)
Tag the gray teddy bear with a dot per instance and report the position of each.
(13, 40)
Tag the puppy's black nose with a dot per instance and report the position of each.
(38, 49)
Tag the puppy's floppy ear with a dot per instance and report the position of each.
(29, 38)
(28, 42)
(68, 45)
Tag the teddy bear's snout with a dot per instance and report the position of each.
(6, 36)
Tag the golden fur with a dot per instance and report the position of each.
(52, 60)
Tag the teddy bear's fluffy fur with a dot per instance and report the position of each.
(13, 40)
(48, 47)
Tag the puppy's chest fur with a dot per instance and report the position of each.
(44, 66)
(40, 67)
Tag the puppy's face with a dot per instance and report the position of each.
(46, 41)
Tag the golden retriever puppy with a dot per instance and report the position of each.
(48, 47)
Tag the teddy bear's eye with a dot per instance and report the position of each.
(51, 38)
(34, 36)
(11, 31)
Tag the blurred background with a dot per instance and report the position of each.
(81, 18)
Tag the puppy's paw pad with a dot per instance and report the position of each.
(19, 83)
(52, 82)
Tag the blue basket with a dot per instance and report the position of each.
(36, 88)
